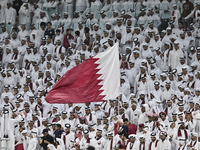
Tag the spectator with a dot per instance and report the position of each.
(68, 38)
(46, 139)
(187, 9)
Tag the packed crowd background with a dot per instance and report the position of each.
(159, 52)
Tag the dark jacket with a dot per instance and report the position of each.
(48, 138)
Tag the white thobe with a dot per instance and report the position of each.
(173, 59)
(24, 15)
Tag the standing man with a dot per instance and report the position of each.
(68, 38)
(7, 128)
(68, 7)
(174, 56)
(154, 143)
(164, 143)
(175, 16)
(193, 143)
(132, 142)
(142, 144)
(46, 139)
(25, 15)
(187, 9)
(10, 16)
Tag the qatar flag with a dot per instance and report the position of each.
(94, 80)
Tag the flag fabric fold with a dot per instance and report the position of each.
(94, 80)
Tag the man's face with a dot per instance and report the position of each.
(156, 87)
(180, 117)
(64, 116)
(8, 5)
(132, 140)
(174, 117)
(194, 138)
(181, 109)
(191, 105)
(14, 36)
(126, 123)
(176, 46)
(182, 61)
(25, 88)
(153, 138)
(163, 117)
(142, 140)
(45, 134)
(23, 27)
(66, 16)
(162, 137)
(105, 34)
(128, 30)
(110, 137)
(86, 136)
(121, 111)
(69, 32)
(167, 86)
(87, 111)
(196, 107)
(188, 117)
(172, 125)
(27, 110)
(96, 28)
(182, 126)
(30, 124)
(182, 36)
(180, 25)
(126, 105)
(119, 23)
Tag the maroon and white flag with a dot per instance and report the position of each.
(94, 80)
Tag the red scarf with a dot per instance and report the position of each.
(66, 133)
(45, 81)
(31, 86)
(14, 56)
(12, 106)
(111, 143)
(123, 116)
(182, 148)
(124, 144)
(179, 133)
(38, 123)
(88, 140)
(90, 117)
(131, 145)
(98, 138)
(104, 107)
(27, 66)
(109, 111)
(64, 139)
(155, 144)
(141, 146)
(192, 86)
(59, 49)
(155, 124)
(193, 144)
(54, 120)
(173, 13)
(166, 110)
(141, 76)
(116, 125)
